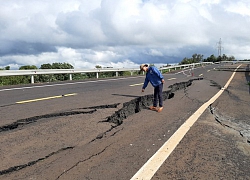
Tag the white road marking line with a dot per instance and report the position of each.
(46, 98)
(171, 79)
(136, 84)
(148, 170)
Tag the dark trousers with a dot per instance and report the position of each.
(158, 95)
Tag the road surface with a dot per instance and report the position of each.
(102, 129)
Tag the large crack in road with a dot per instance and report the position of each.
(26, 121)
(81, 161)
(129, 108)
(242, 129)
(19, 167)
(137, 104)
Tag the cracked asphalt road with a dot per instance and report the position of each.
(107, 132)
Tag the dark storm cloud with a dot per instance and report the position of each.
(120, 32)
(165, 58)
(24, 48)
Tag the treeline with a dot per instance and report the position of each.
(197, 58)
(13, 80)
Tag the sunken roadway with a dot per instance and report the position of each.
(103, 129)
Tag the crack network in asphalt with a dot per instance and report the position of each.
(243, 130)
(19, 167)
(23, 122)
(137, 104)
(75, 165)
(129, 108)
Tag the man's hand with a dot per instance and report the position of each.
(162, 81)
(142, 90)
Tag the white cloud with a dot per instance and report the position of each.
(113, 33)
(239, 7)
(154, 52)
(210, 2)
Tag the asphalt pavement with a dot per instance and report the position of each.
(70, 137)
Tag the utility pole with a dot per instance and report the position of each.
(219, 47)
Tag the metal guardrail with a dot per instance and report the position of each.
(33, 72)
(235, 62)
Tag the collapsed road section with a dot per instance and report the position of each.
(136, 105)
(129, 108)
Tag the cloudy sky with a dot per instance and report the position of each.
(120, 33)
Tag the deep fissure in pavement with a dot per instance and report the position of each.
(26, 121)
(129, 108)
(242, 129)
(23, 122)
(215, 84)
(17, 168)
(102, 106)
(137, 104)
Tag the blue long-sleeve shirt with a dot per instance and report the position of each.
(153, 76)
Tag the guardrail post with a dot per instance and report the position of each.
(70, 77)
(32, 79)
(116, 73)
(97, 75)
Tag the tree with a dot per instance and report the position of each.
(5, 68)
(231, 58)
(62, 66)
(212, 58)
(55, 77)
(224, 57)
(219, 59)
(46, 77)
(46, 66)
(24, 79)
(196, 58)
(27, 67)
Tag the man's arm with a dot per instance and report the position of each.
(145, 84)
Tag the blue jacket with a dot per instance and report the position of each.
(154, 76)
